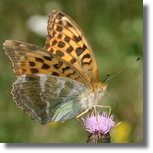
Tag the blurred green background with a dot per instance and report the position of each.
(114, 29)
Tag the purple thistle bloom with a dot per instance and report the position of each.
(105, 123)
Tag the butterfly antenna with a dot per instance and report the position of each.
(122, 70)
(115, 101)
(108, 74)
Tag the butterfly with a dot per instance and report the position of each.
(60, 81)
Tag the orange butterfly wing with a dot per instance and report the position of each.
(66, 40)
(31, 59)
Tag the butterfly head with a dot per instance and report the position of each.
(100, 88)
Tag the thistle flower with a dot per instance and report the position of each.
(99, 133)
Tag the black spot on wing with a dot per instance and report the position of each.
(59, 28)
(60, 22)
(69, 49)
(55, 74)
(60, 35)
(52, 50)
(67, 39)
(59, 53)
(45, 66)
(39, 60)
(84, 47)
(54, 42)
(32, 63)
(61, 14)
(48, 58)
(53, 33)
(66, 68)
(61, 44)
(84, 57)
(57, 66)
(70, 74)
(76, 39)
(79, 38)
(79, 51)
(72, 61)
(33, 70)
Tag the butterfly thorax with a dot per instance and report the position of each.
(92, 98)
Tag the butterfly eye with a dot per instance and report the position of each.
(100, 89)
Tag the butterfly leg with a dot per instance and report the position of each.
(96, 113)
(77, 117)
(103, 107)
(89, 112)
